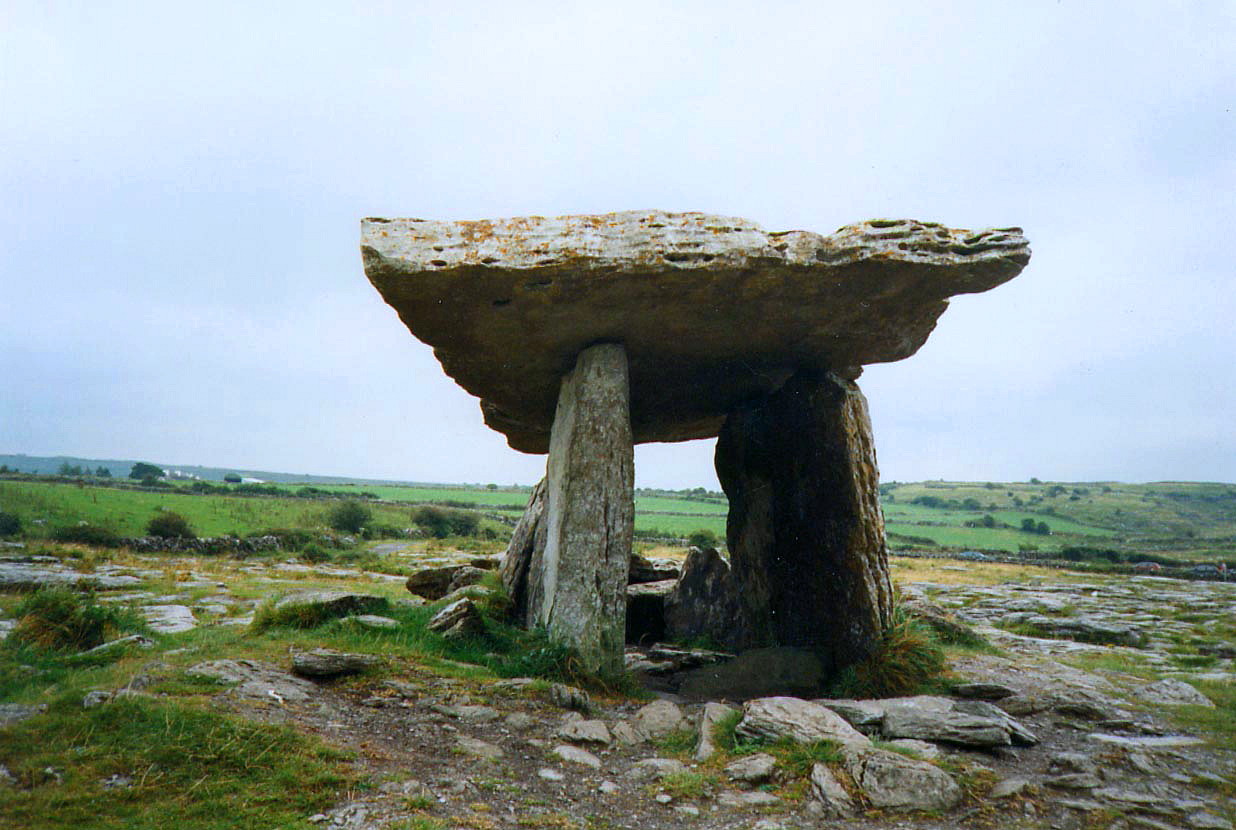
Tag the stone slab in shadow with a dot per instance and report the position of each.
(761, 672)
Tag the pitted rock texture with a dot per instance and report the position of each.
(712, 310)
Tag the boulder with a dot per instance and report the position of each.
(433, 583)
(894, 782)
(971, 723)
(751, 769)
(655, 769)
(773, 718)
(325, 662)
(658, 719)
(703, 604)
(507, 304)
(458, 619)
(580, 731)
(333, 603)
(829, 792)
(255, 680)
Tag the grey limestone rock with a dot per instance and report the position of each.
(255, 680)
(577, 583)
(658, 719)
(507, 304)
(827, 790)
(457, 619)
(169, 619)
(333, 603)
(478, 748)
(1173, 692)
(892, 781)
(772, 718)
(655, 768)
(751, 769)
(704, 601)
(575, 755)
(11, 713)
(711, 715)
(579, 731)
(325, 662)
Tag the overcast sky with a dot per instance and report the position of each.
(181, 187)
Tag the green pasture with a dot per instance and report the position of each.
(126, 512)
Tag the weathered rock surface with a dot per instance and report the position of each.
(966, 723)
(827, 790)
(711, 715)
(527, 537)
(577, 583)
(1173, 693)
(658, 719)
(333, 603)
(169, 619)
(894, 782)
(805, 529)
(255, 680)
(325, 662)
(507, 304)
(704, 601)
(460, 618)
(433, 583)
(772, 718)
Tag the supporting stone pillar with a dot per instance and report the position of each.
(577, 580)
(805, 530)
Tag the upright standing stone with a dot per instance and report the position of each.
(577, 582)
(527, 538)
(805, 529)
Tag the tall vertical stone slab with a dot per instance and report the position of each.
(527, 538)
(805, 529)
(577, 581)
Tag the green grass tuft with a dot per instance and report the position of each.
(57, 619)
(908, 660)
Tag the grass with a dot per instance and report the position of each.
(205, 769)
(1218, 724)
(60, 619)
(690, 784)
(908, 660)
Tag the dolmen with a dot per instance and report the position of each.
(584, 335)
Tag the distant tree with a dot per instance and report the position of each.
(349, 517)
(971, 504)
(988, 520)
(233, 478)
(491, 487)
(1028, 526)
(67, 470)
(702, 538)
(170, 525)
(4, 468)
(441, 523)
(1035, 481)
(1042, 529)
(103, 472)
(142, 470)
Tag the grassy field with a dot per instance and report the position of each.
(1176, 520)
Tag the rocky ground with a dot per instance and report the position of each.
(1051, 731)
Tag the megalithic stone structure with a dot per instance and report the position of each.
(723, 328)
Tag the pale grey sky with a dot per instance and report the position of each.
(180, 277)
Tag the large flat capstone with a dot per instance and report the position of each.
(712, 310)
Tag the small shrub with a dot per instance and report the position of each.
(315, 553)
(10, 525)
(349, 517)
(441, 523)
(906, 661)
(702, 538)
(170, 525)
(689, 784)
(87, 534)
(61, 619)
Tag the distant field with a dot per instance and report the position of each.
(127, 511)
(1177, 520)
